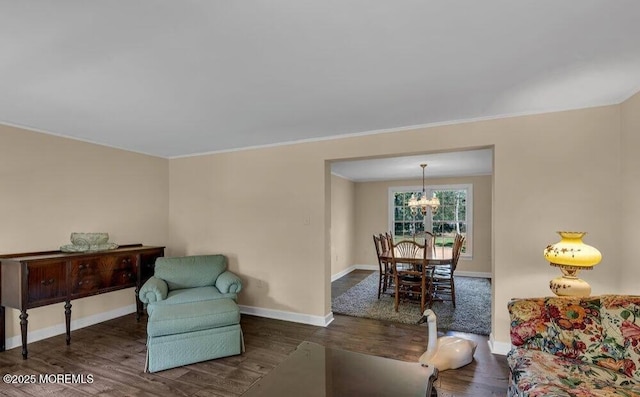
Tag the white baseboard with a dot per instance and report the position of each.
(348, 270)
(343, 273)
(473, 274)
(319, 321)
(496, 347)
(367, 267)
(60, 329)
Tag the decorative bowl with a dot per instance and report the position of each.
(88, 248)
(89, 239)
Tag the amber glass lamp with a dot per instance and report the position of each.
(571, 255)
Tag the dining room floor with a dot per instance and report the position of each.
(487, 375)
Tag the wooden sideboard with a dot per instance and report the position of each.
(37, 279)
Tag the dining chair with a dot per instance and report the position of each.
(388, 245)
(385, 239)
(412, 278)
(381, 244)
(443, 282)
(429, 239)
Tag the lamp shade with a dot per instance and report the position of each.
(571, 251)
(571, 255)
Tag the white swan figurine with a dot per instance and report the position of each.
(446, 352)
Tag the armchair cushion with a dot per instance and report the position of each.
(194, 316)
(188, 295)
(153, 290)
(190, 271)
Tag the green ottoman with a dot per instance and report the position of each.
(191, 332)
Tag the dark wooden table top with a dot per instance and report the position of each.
(434, 257)
(313, 370)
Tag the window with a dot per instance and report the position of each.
(455, 214)
(405, 224)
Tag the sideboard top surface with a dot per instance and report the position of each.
(47, 255)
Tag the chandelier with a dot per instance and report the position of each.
(423, 203)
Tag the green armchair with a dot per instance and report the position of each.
(193, 315)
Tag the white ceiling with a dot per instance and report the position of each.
(176, 78)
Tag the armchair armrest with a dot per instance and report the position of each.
(153, 290)
(228, 282)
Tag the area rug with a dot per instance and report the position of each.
(472, 312)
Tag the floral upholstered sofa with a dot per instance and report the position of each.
(575, 347)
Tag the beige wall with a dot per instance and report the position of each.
(51, 186)
(629, 220)
(264, 209)
(551, 172)
(269, 209)
(343, 221)
(372, 217)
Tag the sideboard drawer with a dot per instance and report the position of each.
(85, 276)
(124, 262)
(46, 282)
(122, 271)
(122, 277)
(90, 276)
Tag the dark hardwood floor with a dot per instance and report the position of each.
(113, 352)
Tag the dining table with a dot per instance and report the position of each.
(437, 256)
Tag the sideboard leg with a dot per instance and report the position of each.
(23, 329)
(2, 331)
(139, 307)
(67, 318)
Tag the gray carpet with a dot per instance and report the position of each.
(472, 312)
